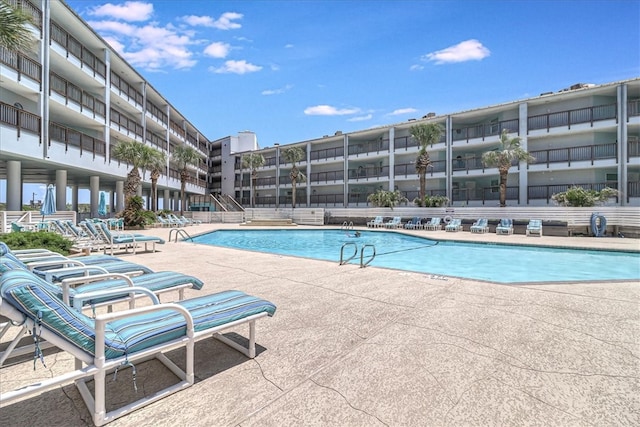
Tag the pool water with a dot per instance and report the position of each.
(480, 261)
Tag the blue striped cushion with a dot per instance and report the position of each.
(31, 296)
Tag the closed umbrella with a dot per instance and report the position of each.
(102, 205)
(49, 204)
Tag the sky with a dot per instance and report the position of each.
(296, 70)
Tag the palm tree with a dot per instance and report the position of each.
(157, 163)
(14, 33)
(136, 154)
(294, 155)
(426, 135)
(253, 161)
(502, 158)
(184, 155)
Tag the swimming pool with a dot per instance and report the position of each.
(480, 261)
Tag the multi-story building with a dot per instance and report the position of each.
(586, 136)
(66, 103)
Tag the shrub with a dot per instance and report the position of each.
(39, 240)
(386, 199)
(580, 197)
(431, 201)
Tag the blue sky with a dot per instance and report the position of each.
(296, 70)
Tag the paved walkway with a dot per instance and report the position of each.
(369, 347)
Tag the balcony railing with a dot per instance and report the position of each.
(369, 147)
(406, 142)
(483, 194)
(409, 169)
(22, 64)
(485, 130)
(71, 92)
(125, 89)
(575, 154)
(412, 195)
(633, 189)
(175, 174)
(328, 176)
(327, 153)
(327, 199)
(30, 9)
(123, 122)
(19, 119)
(633, 147)
(73, 138)
(269, 161)
(572, 117)
(363, 173)
(157, 140)
(633, 108)
(266, 182)
(544, 192)
(74, 48)
(216, 153)
(156, 112)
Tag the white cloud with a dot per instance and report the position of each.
(128, 11)
(468, 50)
(217, 50)
(328, 110)
(401, 111)
(225, 22)
(277, 91)
(150, 46)
(361, 118)
(416, 67)
(236, 67)
(288, 46)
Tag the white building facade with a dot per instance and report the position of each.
(65, 104)
(585, 136)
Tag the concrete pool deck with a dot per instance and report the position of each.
(366, 347)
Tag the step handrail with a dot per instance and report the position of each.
(180, 232)
(362, 250)
(355, 252)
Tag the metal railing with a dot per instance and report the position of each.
(572, 117)
(22, 64)
(74, 48)
(328, 176)
(485, 130)
(577, 153)
(545, 192)
(73, 138)
(19, 119)
(327, 153)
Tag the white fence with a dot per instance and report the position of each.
(302, 216)
(30, 217)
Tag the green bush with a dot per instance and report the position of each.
(386, 199)
(580, 197)
(431, 201)
(39, 240)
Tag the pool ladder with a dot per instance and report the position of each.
(363, 264)
(347, 226)
(180, 232)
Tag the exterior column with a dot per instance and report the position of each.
(119, 203)
(139, 190)
(623, 139)
(176, 201)
(14, 185)
(74, 198)
(94, 188)
(166, 200)
(523, 178)
(61, 190)
(112, 201)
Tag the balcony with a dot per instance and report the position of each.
(156, 140)
(24, 65)
(19, 119)
(157, 113)
(73, 138)
(369, 147)
(572, 117)
(328, 176)
(126, 90)
(363, 173)
(125, 124)
(266, 182)
(633, 108)
(30, 10)
(483, 194)
(76, 49)
(71, 92)
(327, 199)
(567, 155)
(485, 130)
(545, 192)
(327, 153)
(409, 169)
(633, 147)
(406, 142)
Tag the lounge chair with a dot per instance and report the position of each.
(534, 227)
(505, 226)
(126, 240)
(414, 223)
(480, 226)
(190, 220)
(395, 222)
(124, 338)
(177, 221)
(376, 222)
(454, 225)
(434, 224)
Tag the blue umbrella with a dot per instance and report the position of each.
(102, 205)
(49, 204)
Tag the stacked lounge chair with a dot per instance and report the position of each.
(480, 226)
